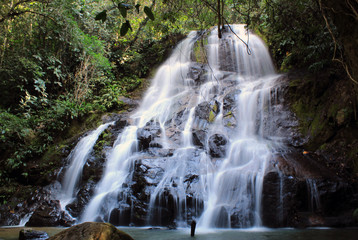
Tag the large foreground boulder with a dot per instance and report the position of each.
(90, 231)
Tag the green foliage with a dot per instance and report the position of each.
(125, 27)
(149, 13)
(295, 32)
(101, 16)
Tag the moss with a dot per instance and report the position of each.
(199, 53)
(80, 126)
(317, 125)
(295, 83)
(304, 114)
(105, 139)
(355, 215)
(42, 170)
(212, 116)
(214, 107)
(353, 156)
(323, 146)
(228, 115)
(18, 192)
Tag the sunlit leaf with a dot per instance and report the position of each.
(149, 13)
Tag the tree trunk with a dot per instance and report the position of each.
(222, 14)
(219, 19)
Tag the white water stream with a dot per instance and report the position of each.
(228, 186)
(78, 158)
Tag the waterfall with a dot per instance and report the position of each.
(78, 158)
(236, 185)
(166, 89)
(198, 146)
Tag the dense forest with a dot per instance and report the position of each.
(64, 63)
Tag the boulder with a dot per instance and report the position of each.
(196, 72)
(146, 135)
(229, 101)
(207, 111)
(92, 230)
(217, 145)
(202, 111)
(199, 137)
(29, 234)
(83, 196)
(49, 214)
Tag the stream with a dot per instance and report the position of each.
(216, 234)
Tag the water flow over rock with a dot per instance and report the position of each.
(78, 158)
(198, 147)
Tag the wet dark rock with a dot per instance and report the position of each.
(226, 56)
(121, 216)
(146, 135)
(161, 152)
(165, 210)
(217, 145)
(83, 196)
(129, 102)
(202, 110)
(92, 230)
(199, 138)
(301, 192)
(230, 99)
(207, 111)
(139, 215)
(93, 169)
(30, 234)
(196, 72)
(156, 143)
(121, 123)
(49, 214)
(282, 197)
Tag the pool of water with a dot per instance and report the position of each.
(12, 233)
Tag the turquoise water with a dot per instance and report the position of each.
(249, 234)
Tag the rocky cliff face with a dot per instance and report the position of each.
(315, 181)
(309, 182)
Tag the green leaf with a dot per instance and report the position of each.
(149, 13)
(125, 27)
(123, 10)
(101, 16)
(137, 7)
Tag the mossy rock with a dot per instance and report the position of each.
(199, 52)
(212, 116)
(355, 215)
(90, 231)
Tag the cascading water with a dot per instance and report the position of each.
(197, 148)
(234, 188)
(167, 88)
(77, 158)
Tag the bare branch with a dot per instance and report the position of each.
(345, 66)
(13, 13)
